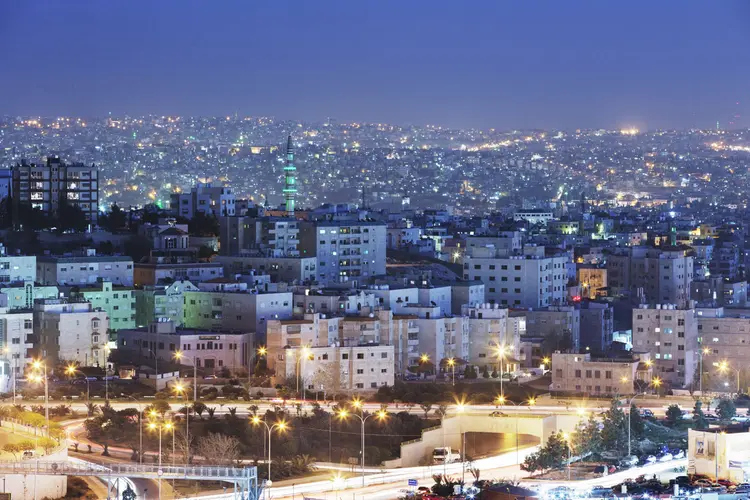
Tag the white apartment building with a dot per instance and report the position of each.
(469, 293)
(440, 296)
(205, 197)
(661, 276)
(210, 350)
(347, 251)
(247, 311)
(394, 298)
(334, 369)
(585, 375)
(529, 280)
(71, 331)
(488, 331)
(17, 334)
(16, 268)
(81, 270)
(726, 332)
(670, 336)
(161, 302)
(534, 216)
(440, 337)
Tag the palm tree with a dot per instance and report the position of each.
(91, 408)
(232, 411)
(211, 410)
(253, 409)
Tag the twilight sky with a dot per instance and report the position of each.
(463, 63)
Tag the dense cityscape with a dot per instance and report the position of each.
(374, 250)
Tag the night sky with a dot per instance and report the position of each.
(460, 63)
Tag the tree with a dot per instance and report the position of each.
(699, 419)
(138, 247)
(91, 409)
(160, 406)
(205, 252)
(637, 427)
(199, 408)
(219, 449)
(441, 411)
(203, 225)
(115, 220)
(70, 217)
(587, 438)
(726, 409)
(614, 428)
(485, 372)
(673, 414)
(47, 444)
(550, 456)
(426, 407)
(12, 448)
(26, 445)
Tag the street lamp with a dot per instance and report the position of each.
(37, 365)
(630, 408)
(179, 356)
(501, 349)
(106, 374)
(303, 353)
(452, 364)
(358, 405)
(13, 371)
(160, 427)
(725, 367)
(182, 390)
(502, 401)
(656, 382)
(140, 426)
(703, 352)
(280, 425)
(566, 437)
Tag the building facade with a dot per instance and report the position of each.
(206, 198)
(71, 331)
(82, 270)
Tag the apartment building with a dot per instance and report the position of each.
(530, 280)
(587, 375)
(592, 279)
(84, 269)
(16, 344)
(22, 294)
(440, 337)
(210, 350)
(16, 268)
(471, 293)
(488, 331)
(260, 236)
(394, 298)
(72, 331)
(333, 301)
(213, 200)
(563, 322)
(118, 302)
(281, 269)
(726, 333)
(346, 251)
(659, 276)
(47, 186)
(161, 303)
(597, 324)
(670, 336)
(235, 310)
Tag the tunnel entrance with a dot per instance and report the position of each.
(483, 444)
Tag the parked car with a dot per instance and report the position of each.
(742, 488)
(678, 454)
(630, 461)
(648, 459)
(646, 413)
(497, 414)
(704, 483)
(665, 457)
(726, 483)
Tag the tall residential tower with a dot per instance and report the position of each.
(290, 172)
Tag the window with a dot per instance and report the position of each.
(597, 374)
(345, 356)
(558, 373)
(384, 370)
(578, 373)
(384, 355)
(360, 355)
(608, 374)
(360, 371)
(324, 357)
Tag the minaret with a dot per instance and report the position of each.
(290, 173)
(581, 220)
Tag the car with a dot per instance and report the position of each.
(665, 457)
(742, 488)
(704, 483)
(646, 413)
(210, 377)
(497, 414)
(630, 461)
(726, 483)
(423, 489)
(648, 459)
(28, 454)
(678, 454)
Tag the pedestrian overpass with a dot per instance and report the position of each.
(244, 479)
(484, 434)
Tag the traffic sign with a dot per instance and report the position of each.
(412, 482)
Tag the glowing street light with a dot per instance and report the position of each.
(70, 371)
(502, 401)
(164, 426)
(280, 426)
(381, 415)
(725, 367)
(452, 363)
(38, 365)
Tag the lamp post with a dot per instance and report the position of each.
(358, 405)
(160, 427)
(725, 367)
(566, 437)
(500, 355)
(502, 401)
(140, 428)
(181, 390)
(630, 408)
(702, 352)
(281, 426)
(7, 352)
(303, 353)
(261, 352)
(37, 365)
(179, 356)
(106, 374)
(452, 364)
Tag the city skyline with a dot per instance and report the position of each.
(505, 66)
